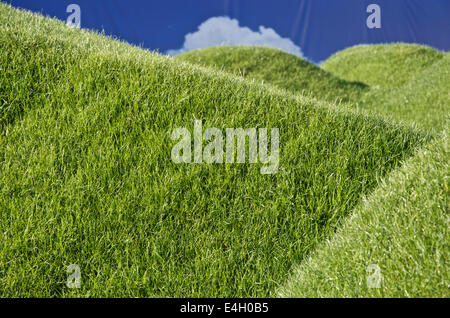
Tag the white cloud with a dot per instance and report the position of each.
(225, 31)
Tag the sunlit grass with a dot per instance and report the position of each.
(87, 178)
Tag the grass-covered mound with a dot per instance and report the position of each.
(382, 65)
(87, 176)
(402, 228)
(275, 67)
(423, 100)
(408, 79)
(399, 232)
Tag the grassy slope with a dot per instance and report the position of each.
(399, 73)
(402, 227)
(423, 100)
(410, 84)
(87, 176)
(381, 65)
(278, 68)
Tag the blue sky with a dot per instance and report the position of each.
(318, 28)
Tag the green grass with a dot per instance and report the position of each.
(381, 65)
(402, 227)
(275, 67)
(87, 176)
(407, 80)
(423, 100)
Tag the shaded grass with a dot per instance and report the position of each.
(87, 177)
(275, 67)
(402, 228)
